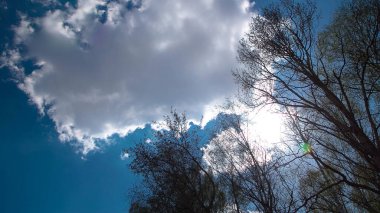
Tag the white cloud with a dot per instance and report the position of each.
(23, 30)
(101, 79)
(10, 59)
(124, 156)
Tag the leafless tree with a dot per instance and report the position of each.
(174, 176)
(327, 83)
(251, 173)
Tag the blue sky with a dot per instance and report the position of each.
(100, 74)
(40, 174)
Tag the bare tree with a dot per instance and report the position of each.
(328, 85)
(174, 176)
(251, 173)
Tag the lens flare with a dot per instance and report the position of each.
(306, 147)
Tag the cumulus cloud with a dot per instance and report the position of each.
(109, 66)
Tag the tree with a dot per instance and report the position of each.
(328, 85)
(239, 174)
(250, 173)
(174, 176)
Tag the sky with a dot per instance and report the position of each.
(81, 80)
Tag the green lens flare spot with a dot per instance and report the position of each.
(306, 147)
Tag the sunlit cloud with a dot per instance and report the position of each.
(108, 67)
